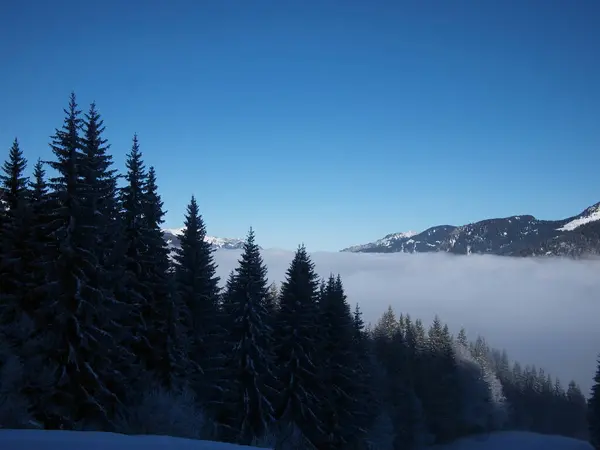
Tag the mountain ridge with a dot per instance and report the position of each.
(171, 236)
(519, 235)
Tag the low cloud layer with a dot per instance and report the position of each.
(542, 311)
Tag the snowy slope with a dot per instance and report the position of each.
(516, 440)
(92, 440)
(385, 241)
(77, 440)
(591, 214)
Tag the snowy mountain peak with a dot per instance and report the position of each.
(173, 231)
(405, 234)
(172, 236)
(591, 214)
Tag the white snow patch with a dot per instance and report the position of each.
(174, 231)
(591, 214)
(516, 440)
(96, 440)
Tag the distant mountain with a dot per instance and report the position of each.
(510, 236)
(171, 235)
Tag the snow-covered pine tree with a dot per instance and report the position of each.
(483, 402)
(249, 361)
(198, 292)
(594, 411)
(296, 346)
(75, 311)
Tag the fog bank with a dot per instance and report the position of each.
(542, 311)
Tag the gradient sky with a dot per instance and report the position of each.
(325, 122)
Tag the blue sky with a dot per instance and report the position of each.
(325, 122)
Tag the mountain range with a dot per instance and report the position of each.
(171, 235)
(522, 235)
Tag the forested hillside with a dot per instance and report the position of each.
(101, 330)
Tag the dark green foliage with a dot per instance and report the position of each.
(296, 347)
(161, 310)
(135, 290)
(340, 403)
(396, 390)
(197, 290)
(102, 199)
(16, 246)
(14, 182)
(247, 410)
(75, 314)
(442, 399)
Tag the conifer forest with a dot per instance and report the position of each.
(102, 328)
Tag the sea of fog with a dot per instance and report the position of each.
(542, 311)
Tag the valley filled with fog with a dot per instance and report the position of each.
(543, 311)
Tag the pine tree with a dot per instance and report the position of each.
(462, 338)
(162, 311)
(370, 407)
(441, 397)
(197, 289)
(340, 405)
(594, 411)
(248, 411)
(98, 172)
(76, 309)
(134, 289)
(14, 181)
(396, 389)
(577, 407)
(16, 257)
(296, 346)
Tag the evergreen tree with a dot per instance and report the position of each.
(594, 411)
(339, 370)
(134, 290)
(441, 398)
(397, 390)
(76, 311)
(248, 411)
(98, 172)
(369, 406)
(296, 346)
(161, 312)
(16, 257)
(14, 181)
(197, 289)
(576, 405)
(462, 338)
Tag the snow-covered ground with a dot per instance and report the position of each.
(516, 440)
(591, 214)
(77, 440)
(92, 440)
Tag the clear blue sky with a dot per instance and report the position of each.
(325, 122)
